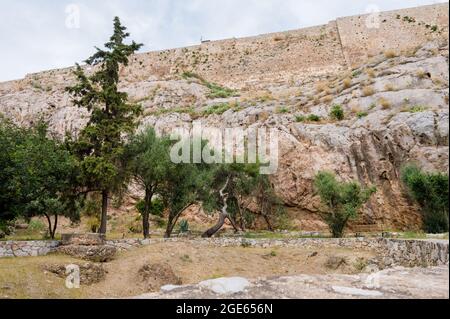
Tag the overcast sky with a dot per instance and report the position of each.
(38, 35)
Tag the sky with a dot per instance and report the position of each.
(38, 35)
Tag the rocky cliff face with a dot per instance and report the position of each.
(396, 108)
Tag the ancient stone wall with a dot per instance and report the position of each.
(391, 252)
(27, 248)
(278, 57)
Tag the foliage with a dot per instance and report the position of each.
(38, 176)
(184, 226)
(147, 158)
(313, 118)
(337, 113)
(216, 91)
(100, 143)
(342, 200)
(218, 109)
(430, 191)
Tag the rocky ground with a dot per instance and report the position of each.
(396, 283)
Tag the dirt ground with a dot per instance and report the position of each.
(26, 277)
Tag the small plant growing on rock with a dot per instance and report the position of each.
(370, 72)
(337, 113)
(368, 91)
(342, 201)
(300, 118)
(282, 110)
(361, 115)
(347, 83)
(385, 104)
(313, 118)
(417, 109)
(390, 54)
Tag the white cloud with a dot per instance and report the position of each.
(34, 36)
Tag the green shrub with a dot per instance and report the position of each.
(337, 113)
(430, 191)
(218, 109)
(314, 118)
(36, 226)
(184, 226)
(300, 118)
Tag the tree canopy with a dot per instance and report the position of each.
(100, 144)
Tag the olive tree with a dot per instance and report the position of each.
(342, 201)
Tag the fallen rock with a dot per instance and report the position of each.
(226, 286)
(90, 273)
(155, 276)
(101, 254)
(83, 239)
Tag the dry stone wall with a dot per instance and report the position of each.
(391, 252)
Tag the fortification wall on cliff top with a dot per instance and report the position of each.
(279, 57)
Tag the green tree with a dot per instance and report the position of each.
(229, 183)
(430, 191)
(342, 201)
(10, 137)
(100, 144)
(147, 158)
(271, 208)
(41, 174)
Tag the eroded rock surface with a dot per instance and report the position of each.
(396, 283)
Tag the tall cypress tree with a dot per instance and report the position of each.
(100, 143)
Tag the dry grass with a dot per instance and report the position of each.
(370, 72)
(389, 87)
(347, 83)
(327, 99)
(192, 262)
(368, 91)
(390, 54)
(421, 74)
(322, 87)
(385, 104)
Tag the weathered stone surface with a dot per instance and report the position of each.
(83, 239)
(397, 283)
(102, 253)
(90, 273)
(27, 248)
(225, 286)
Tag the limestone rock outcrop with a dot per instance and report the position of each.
(393, 90)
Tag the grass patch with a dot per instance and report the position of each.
(361, 115)
(418, 109)
(216, 91)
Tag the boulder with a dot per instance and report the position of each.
(83, 239)
(90, 273)
(103, 253)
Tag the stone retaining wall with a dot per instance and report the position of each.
(391, 252)
(27, 248)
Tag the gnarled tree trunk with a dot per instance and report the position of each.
(223, 214)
